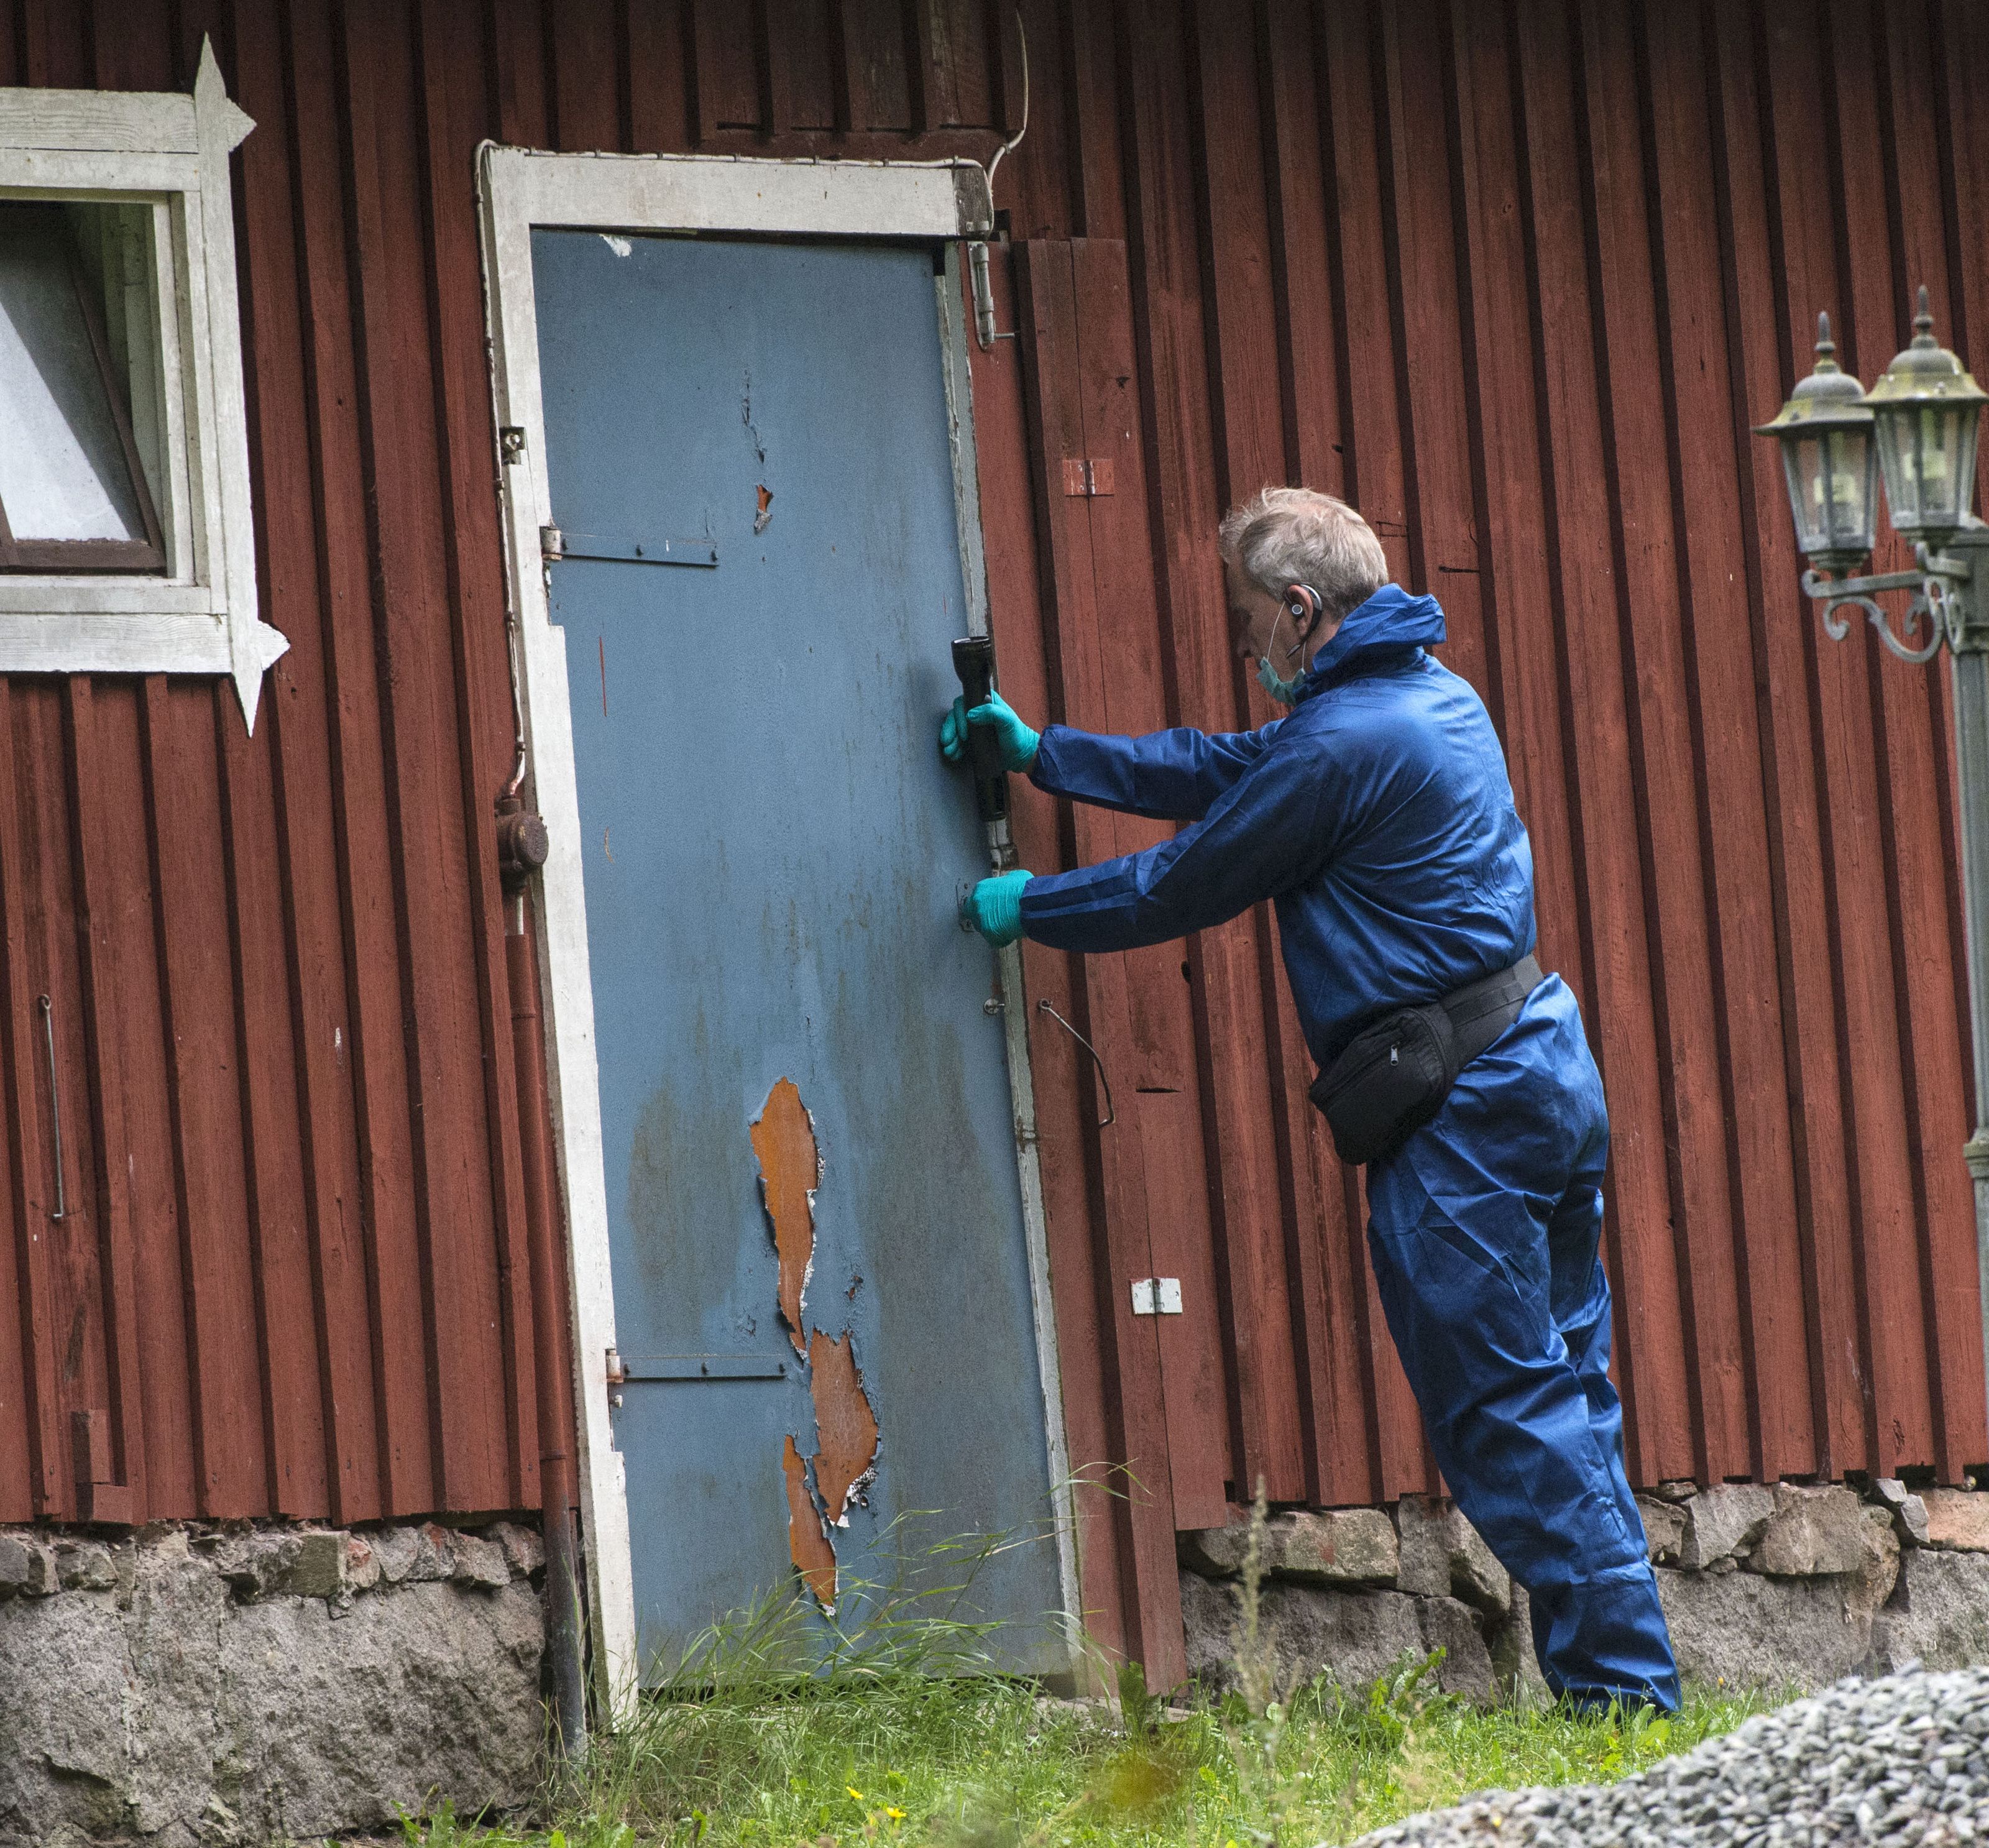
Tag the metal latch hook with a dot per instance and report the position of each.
(1104, 1082)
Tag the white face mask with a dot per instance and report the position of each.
(1284, 691)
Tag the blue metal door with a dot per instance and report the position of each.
(821, 1291)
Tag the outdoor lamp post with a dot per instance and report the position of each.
(1919, 422)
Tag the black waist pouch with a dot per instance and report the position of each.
(1393, 1076)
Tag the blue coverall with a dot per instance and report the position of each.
(1378, 817)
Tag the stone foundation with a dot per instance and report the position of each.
(1770, 1587)
(184, 1686)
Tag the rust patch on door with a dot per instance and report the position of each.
(790, 1170)
(807, 1544)
(822, 1487)
(845, 1425)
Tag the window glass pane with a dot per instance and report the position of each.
(63, 468)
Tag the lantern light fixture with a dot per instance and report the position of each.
(1917, 426)
(1926, 409)
(1825, 434)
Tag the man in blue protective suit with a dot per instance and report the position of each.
(1378, 817)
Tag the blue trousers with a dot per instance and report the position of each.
(1485, 1229)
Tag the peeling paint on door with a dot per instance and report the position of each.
(790, 1171)
(823, 1485)
(845, 1425)
(808, 1542)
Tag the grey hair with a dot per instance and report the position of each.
(1282, 536)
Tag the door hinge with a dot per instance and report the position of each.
(511, 443)
(1086, 475)
(1156, 1296)
(617, 1377)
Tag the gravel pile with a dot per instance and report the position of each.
(1903, 1761)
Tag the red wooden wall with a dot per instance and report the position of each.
(1516, 278)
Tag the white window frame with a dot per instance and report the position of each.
(519, 190)
(199, 615)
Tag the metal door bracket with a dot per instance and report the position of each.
(1156, 1296)
(1087, 475)
(642, 1367)
(511, 443)
(555, 544)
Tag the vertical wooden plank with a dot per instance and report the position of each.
(266, 1058)
(376, 1054)
(32, 1330)
(1581, 570)
(398, 445)
(1869, 1024)
(1163, 1108)
(1036, 184)
(1182, 511)
(1297, 162)
(522, 101)
(1779, 249)
(21, 1392)
(1326, 1246)
(1907, 1086)
(926, 84)
(1232, 145)
(1421, 220)
(1665, 783)
(583, 54)
(724, 69)
(961, 41)
(122, 848)
(98, 912)
(486, 717)
(1506, 463)
(660, 102)
(1931, 965)
(190, 943)
(304, 921)
(1374, 464)
(1091, 79)
(74, 1320)
(803, 38)
(1016, 614)
(874, 36)
(1131, 1366)
(1750, 1135)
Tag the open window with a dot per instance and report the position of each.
(78, 366)
(125, 539)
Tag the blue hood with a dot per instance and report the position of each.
(1390, 619)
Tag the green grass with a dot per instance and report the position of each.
(890, 1727)
(983, 1763)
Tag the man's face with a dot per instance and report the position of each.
(1253, 615)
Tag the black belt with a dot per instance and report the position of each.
(1481, 1010)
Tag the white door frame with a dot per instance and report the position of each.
(518, 190)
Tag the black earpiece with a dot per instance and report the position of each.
(1305, 605)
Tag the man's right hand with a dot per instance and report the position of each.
(1017, 741)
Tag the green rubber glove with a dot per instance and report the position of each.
(994, 907)
(1017, 741)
